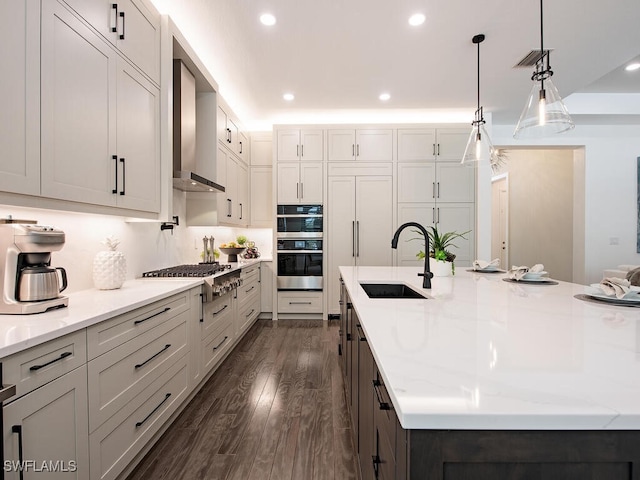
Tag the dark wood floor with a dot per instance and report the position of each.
(274, 409)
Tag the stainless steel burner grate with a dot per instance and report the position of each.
(195, 270)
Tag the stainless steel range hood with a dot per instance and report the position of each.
(185, 172)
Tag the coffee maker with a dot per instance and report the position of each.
(27, 281)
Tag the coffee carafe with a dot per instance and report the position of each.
(29, 283)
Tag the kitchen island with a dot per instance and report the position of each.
(490, 379)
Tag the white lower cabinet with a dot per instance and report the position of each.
(299, 302)
(248, 298)
(49, 427)
(118, 440)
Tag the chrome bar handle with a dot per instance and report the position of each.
(434, 149)
(353, 238)
(357, 150)
(297, 150)
(433, 189)
(353, 149)
(302, 150)
(358, 241)
(115, 157)
(438, 190)
(301, 190)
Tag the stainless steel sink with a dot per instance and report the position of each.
(390, 290)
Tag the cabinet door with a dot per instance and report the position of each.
(340, 223)
(342, 145)
(138, 36)
(231, 191)
(242, 210)
(129, 25)
(311, 182)
(422, 213)
(451, 143)
(417, 182)
(374, 220)
(261, 149)
(416, 144)
(54, 428)
(138, 143)
(311, 142)
(455, 182)
(261, 200)
(366, 449)
(374, 145)
(20, 94)
(288, 145)
(288, 183)
(79, 72)
(221, 125)
(459, 217)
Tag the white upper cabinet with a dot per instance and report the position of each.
(300, 183)
(132, 26)
(20, 94)
(416, 182)
(100, 120)
(229, 133)
(424, 144)
(296, 144)
(364, 144)
(454, 182)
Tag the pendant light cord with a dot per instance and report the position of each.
(479, 117)
(542, 47)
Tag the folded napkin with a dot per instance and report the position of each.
(517, 273)
(482, 264)
(615, 286)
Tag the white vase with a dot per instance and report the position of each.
(440, 268)
(109, 270)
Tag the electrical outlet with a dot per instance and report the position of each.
(614, 241)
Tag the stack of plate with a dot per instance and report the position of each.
(631, 297)
(536, 276)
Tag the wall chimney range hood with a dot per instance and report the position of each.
(185, 172)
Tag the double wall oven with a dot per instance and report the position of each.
(299, 247)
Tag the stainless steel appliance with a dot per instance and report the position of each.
(28, 283)
(187, 175)
(217, 281)
(299, 249)
(299, 221)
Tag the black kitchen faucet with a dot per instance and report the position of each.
(426, 281)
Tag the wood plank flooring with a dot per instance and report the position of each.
(274, 410)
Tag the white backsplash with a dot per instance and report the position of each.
(145, 246)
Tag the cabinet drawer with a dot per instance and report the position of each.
(32, 368)
(386, 463)
(109, 334)
(300, 302)
(249, 273)
(216, 313)
(248, 313)
(214, 346)
(119, 375)
(383, 412)
(247, 291)
(120, 439)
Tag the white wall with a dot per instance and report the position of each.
(611, 153)
(145, 246)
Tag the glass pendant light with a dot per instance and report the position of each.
(544, 113)
(480, 150)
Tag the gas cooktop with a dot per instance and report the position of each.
(194, 270)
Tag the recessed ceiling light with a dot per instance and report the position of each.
(632, 66)
(416, 19)
(384, 97)
(288, 96)
(267, 19)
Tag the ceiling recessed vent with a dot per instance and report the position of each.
(531, 58)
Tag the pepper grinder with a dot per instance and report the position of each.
(205, 255)
(212, 257)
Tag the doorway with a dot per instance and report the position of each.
(535, 210)
(499, 219)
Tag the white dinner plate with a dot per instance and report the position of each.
(633, 296)
(534, 275)
(534, 279)
(490, 268)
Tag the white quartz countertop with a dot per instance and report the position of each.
(484, 354)
(88, 307)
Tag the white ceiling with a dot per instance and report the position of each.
(337, 56)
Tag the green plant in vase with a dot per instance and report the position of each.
(439, 245)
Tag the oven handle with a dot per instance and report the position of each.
(299, 251)
(298, 215)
